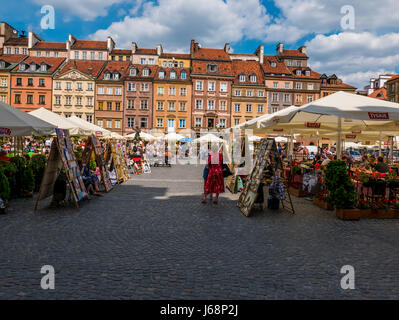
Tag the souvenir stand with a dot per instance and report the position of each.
(114, 157)
(94, 145)
(61, 157)
(267, 159)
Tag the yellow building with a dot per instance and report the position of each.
(120, 55)
(174, 60)
(172, 99)
(7, 63)
(74, 89)
(248, 99)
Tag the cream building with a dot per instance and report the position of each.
(74, 89)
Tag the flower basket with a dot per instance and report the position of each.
(322, 204)
(350, 214)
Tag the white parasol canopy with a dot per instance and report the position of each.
(59, 122)
(94, 129)
(143, 135)
(209, 138)
(173, 136)
(17, 123)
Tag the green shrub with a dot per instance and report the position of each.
(342, 192)
(9, 170)
(28, 179)
(5, 190)
(20, 163)
(38, 166)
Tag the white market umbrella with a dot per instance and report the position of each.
(59, 122)
(94, 129)
(143, 135)
(115, 135)
(209, 138)
(17, 123)
(173, 136)
(255, 138)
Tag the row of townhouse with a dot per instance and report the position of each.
(122, 89)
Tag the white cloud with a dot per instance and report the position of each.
(355, 57)
(87, 10)
(303, 17)
(175, 22)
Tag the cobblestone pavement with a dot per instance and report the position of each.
(151, 238)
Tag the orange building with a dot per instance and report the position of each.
(110, 95)
(32, 83)
(172, 99)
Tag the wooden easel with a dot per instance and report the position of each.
(267, 154)
(93, 145)
(62, 157)
(118, 162)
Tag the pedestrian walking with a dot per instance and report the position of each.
(214, 182)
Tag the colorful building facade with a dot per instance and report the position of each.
(7, 63)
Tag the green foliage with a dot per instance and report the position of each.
(28, 179)
(5, 190)
(342, 192)
(93, 164)
(9, 170)
(38, 163)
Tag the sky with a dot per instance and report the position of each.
(355, 39)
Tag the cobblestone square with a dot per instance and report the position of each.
(152, 238)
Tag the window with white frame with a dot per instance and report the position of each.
(273, 64)
(100, 123)
(172, 106)
(100, 56)
(298, 72)
(76, 55)
(182, 123)
(223, 105)
(310, 98)
(92, 55)
(183, 92)
(274, 109)
(79, 86)
(130, 122)
(3, 82)
(145, 87)
(146, 72)
(237, 93)
(275, 97)
(223, 87)
(144, 105)
(90, 101)
(131, 86)
(289, 63)
(109, 123)
(151, 61)
(211, 85)
(159, 122)
(252, 78)
(68, 100)
(161, 91)
(287, 85)
(133, 72)
(90, 86)
(89, 118)
(199, 85)
(261, 93)
(181, 64)
(249, 108)
(116, 76)
(211, 104)
(8, 50)
(100, 90)
(260, 108)
(107, 76)
(182, 107)
(275, 85)
(241, 78)
(299, 85)
(173, 74)
(130, 104)
(286, 98)
(237, 107)
(143, 60)
(198, 104)
(160, 106)
(299, 63)
(68, 86)
(310, 86)
(78, 101)
(58, 85)
(222, 123)
(183, 75)
(117, 124)
(236, 121)
(84, 55)
(307, 73)
(161, 74)
(170, 64)
(298, 98)
(198, 122)
(110, 91)
(249, 93)
(118, 91)
(172, 91)
(57, 100)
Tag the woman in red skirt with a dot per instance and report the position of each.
(214, 183)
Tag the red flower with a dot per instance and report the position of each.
(374, 206)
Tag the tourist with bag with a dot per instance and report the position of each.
(214, 183)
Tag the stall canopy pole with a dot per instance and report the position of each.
(339, 151)
(380, 154)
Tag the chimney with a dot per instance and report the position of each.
(110, 44)
(192, 46)
(280, 48)
(134, 47)
(71, 39)
(68, 45)
(227, 47)
(302, 49)
(32, 39)
(159, 49)
(260, 52)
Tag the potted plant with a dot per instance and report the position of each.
(320, 200)
(5, 191)
(38, 163)
(342, 194)
(28, 182)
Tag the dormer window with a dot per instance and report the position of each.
(183, 75)
(173, 74)
(212, 67)
(22, 67)
(161, 74)
(107, 76)
(43, 68)
(298, 72)
(133, 72)
(307, 73)
(33, 67)
(146, 72)
(252, 78)
(116, 76)
(273, 64)
(181, 64)
(2, 64)
(241, 77)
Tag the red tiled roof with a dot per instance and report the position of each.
(61, 46)
(54, 63)
(89, 44)
(121, 51)
(12, 58)
(17, 42)
(248, 68)
(293, 53)
(380, 93)
(224, 68)
(175, 55)
(167, 74)
(396, 76)
(313, 74)
(280, 67)
(211, 54)
(146, 51)
(90, 67)
(140, 67)
(111, 66)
